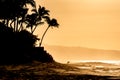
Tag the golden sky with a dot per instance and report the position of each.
(85, 23)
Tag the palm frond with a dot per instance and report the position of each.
(31, 2)
(54, 22)
(34, 10)
(39, 23)
(47, 19)
(42, 11)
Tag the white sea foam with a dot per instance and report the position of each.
(102, 67)
(117, 62)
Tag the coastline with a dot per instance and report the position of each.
(48, 71)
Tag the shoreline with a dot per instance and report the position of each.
(48, 71)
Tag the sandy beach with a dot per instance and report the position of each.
(51, 71)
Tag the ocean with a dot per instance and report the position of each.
(117, 62)
(101, 67)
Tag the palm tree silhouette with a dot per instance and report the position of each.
(35, 19)
(31, 20)
(13, 10)
(15, 22)
(51, 23)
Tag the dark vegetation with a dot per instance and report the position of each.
(17, 26)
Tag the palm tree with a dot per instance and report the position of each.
(35, 19)
(51, 23)
(43, 12)
(13, 10)
(21, 12)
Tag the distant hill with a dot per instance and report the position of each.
(73, 54)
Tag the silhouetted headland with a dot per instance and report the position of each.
(17, 27)
(19, 47)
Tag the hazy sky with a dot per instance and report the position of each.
(85, 23)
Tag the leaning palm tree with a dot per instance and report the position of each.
(35, 19)
(51, 23)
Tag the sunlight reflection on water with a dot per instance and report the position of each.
(99, 66)
(117, 62)
(103, 66)
(101, 69)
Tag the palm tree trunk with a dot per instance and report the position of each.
(7, 22)
(34, 29)
(44, 35)
(20, 28)
(17, 24)
(31, 28)
(11, 23)
(14, 26)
